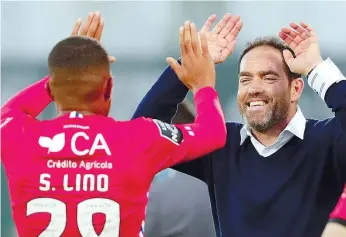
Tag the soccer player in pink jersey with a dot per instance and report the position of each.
(84, 173)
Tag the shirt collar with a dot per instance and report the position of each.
(296, 127)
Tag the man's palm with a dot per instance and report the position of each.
(302, 39)
(221, 39)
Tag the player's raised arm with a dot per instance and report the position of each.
(30, 101)
(324, 77)
(166, 144)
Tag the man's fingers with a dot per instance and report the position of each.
(76, 27)
(235, 31)
(175, 66)
(297, 27)
(309, 29)
(194, 39)
(229, 26)
(207, 25)
(86, 25)
(99, 30)
(94, 25)
(295, 36)
(204, 45)
(187, 38)
(288, 40)
(222, 23)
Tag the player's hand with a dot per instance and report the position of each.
(303, 40)
(222, 38)
(197, 69)
(93, 27)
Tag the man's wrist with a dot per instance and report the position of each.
(323, 76)
(313, 66)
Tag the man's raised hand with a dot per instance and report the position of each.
(222, 38)
(302, 39)
(197, 69)
(93, 27)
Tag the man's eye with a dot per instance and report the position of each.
(243, 80)
(270, 78)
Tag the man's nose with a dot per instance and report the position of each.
(256, 87)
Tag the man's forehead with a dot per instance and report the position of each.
(262, 58)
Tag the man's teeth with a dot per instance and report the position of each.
(256, 103)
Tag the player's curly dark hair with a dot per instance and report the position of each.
(275, 43)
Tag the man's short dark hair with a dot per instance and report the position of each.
(275, 43)
(77, 66)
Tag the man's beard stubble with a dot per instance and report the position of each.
(276, 114)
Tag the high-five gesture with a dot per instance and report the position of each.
(93, 27)
(197, 69)
(303, 41)
(222, 38)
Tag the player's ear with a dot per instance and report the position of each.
(108, 88)
(48, 90)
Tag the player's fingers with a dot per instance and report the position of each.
(94, 24)
(204, 45)
(181, 41)
(76, 27)
(222, 23)
(229, 26)
(176, 67)
(86, 25)
(99, 30)
(187, 38)
(207, 25)
(235, 31)
(194, 39)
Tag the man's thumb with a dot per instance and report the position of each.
(174, 65)
(288, 57)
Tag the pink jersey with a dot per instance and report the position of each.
(88, 175)
(339, 211)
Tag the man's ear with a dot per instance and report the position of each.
(297, 86)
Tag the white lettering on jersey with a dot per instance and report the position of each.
(98, 144)
(87, 182)
(169, 132)
(54, 144)
(44, 182)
